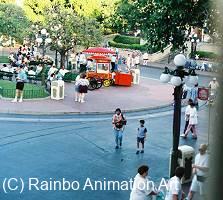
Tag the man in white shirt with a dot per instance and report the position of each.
(31, 72)
(213, 85)
(83, 62)
(174, 191)
(63, 71)
(113, 60)
(137, 61)
(145, 58)
(52, 70)
(129, 62)
(141, 186)
(200, 169)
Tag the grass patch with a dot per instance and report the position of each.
(207, 54)
(4, 59)
(127, 39)
(31, 91)
(128, 46)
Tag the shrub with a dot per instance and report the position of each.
(207, 54)
(68, 77)
(126, 39)
(4, 59)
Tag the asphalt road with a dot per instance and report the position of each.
(76, 151)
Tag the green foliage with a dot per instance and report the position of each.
(68, 77)
(68, 30)
(128, 46)
(4, 59)
(165, 22)
(7, 89)
(13, 21)
(126, 39)
(208, 55)
(100, 10)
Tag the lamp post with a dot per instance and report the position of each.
(177, 79)
(194, 40)
(43, 39)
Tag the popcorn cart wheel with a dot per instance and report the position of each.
(106, 82)
(94, 83)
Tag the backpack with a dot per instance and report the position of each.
(124, 121)
(121, 123)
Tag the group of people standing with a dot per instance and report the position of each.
(142, 187)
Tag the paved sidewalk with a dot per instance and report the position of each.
(149, 94)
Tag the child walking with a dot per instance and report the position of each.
(141, 136)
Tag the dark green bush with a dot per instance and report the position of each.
(68, 77)
(126, 39)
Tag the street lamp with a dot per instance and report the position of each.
(43, 40)
(178, 79)
(194, 40)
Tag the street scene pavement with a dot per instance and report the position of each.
(77, 147)
(105, 99)
(100, 103)
(81, 150)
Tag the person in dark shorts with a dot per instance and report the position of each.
(20, 80)
(82, 84)
(141, 136)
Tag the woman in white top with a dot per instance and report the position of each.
(187, 116)
(142, 187)
(192, 121)
(82, 84)
(174, 190)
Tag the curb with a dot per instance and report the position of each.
(87, 113)
(212, 74)
(34, 99)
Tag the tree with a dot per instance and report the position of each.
(167, 21)
(100, 10)
(68, 30)
(13, 21)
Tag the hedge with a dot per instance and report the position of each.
(207, 54)
(126, 39)
(4, 59)
(68, 77)
(128, 46)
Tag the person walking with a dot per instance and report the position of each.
(193, 94)
(141, 136)
(174, 189)
(82, 87)
(187, 116)
(119, 123)
(192, 122)
(200, 170)
(20, 80)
